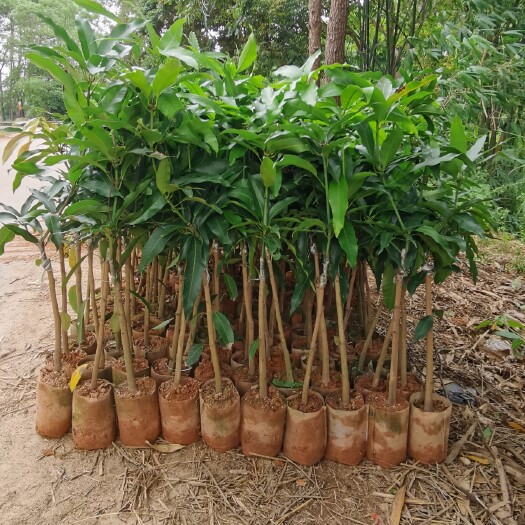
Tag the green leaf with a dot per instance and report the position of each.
(163, 324)
(390, 147)
(6, 235)
(423, 327)
(458, 138)
(153, 204)
(194, 354)
(173, 36)
(224, 329)
(95, 7)
(65, 321)
(72, 297)
(156, 243)
(114, 322)
(166, 76)
(163, 176)
(53, 225)
(196, 262)
(139, 80)
(299, 162)
(338, 198)
(507, 334)
(348, 242)
(85, 207)
(142, 300)
(248, 54)
(281, 383)
(231, 286)
(469, 223)
(388, 285)
(253, 348)
(22, 233)
(301, 286)
(268, 172)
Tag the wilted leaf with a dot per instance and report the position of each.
(165, 448)
(516, 426)
(478, 459)
(76, 375)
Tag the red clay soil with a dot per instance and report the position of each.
(243, 374)
(144, 388)
(161, 367)
(55, 379)
(366, 383)
(228, 396)
(188, 389)
(102, 388)
(313, 404)
(139, 364)
(380, 400)
(204, 371)
(334, 382)
(356, 401)
(273, 402)
(437, 405)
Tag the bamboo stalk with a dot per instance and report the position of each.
(176, 326)
(247, 297)
(382, 355)
(91, 282)
(211, 334)
(403, 340)
(216, 284)
(63, 289)
(99, 353)
(429, 379)
(180, 348)
(47, 267)
(370, 336)
(278, 317)
(345, 391)
(78, 282)
(126, 343)
(392, 385)
(313, 345)
(263, 389)
(348, 307)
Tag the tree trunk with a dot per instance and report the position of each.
(335, 38)
(314, 29)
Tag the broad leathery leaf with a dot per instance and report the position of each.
(458, 138)
(156, 243)
(139, 80)
(299, 162)
(390, 147)
(85, 207)
(231, 286)
(95, 7)
(423, 327)
(196, 262)
(6, 235)
(173, 36)
(166, 76)
(154, 203)
(248, 54)
(281, 383)
(194, 354)
(388, 286)
(53, 225)
(72, 297)
(475, 151)
(163, 175)
(469, 223)
(253, 348)
(163, 324)
(142, 299)
(348, 242)
(298, 293)
(224, 329)
(268, 172)
(65, 321)
(338, 199)
(76, 376)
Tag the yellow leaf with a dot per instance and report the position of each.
(72, 258)
(479, 459)
(76, 375)
(165, 448)
(515, 426)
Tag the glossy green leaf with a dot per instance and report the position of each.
(173, 36)
(423, 327)
(299, 162)
(194, 354)
(252, 350)
(268, 173)
(73, 298)
(231, 286)
(6, 235)
(348, 242)
(390, 147)
(155, 244)
(338, 199)
(196, 262)
(248, 54)
(98, 9)
(166, 76)
(458, 138)
(389, 286)
(224, 329)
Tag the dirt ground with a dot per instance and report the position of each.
(47, 482)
